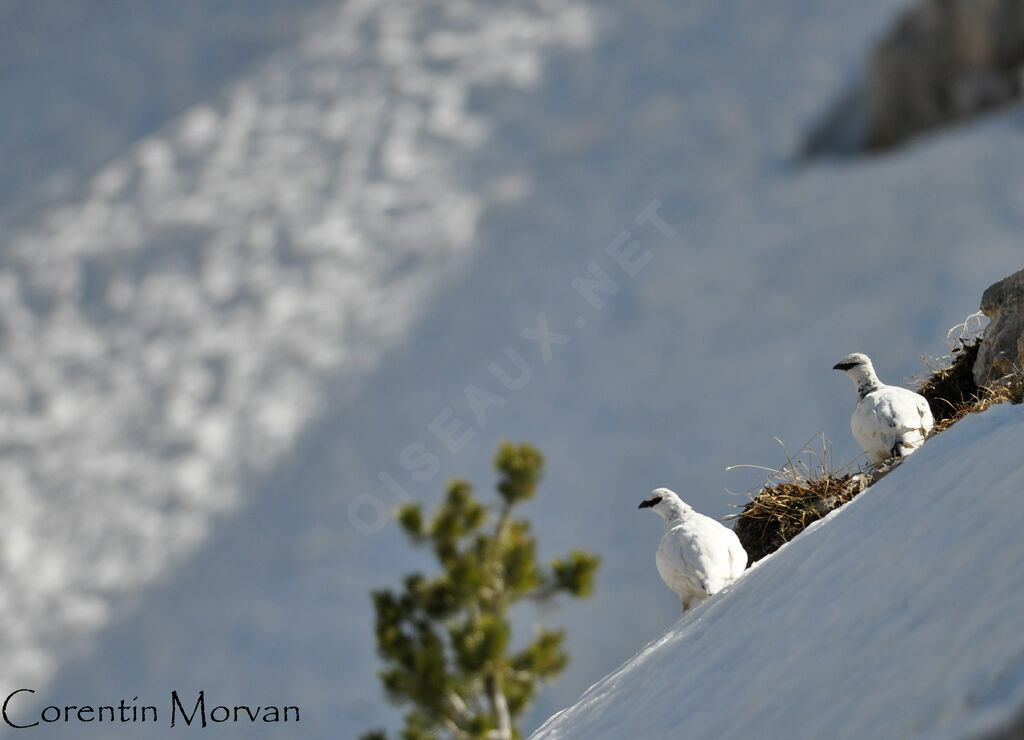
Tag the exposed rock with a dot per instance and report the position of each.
(944, 60)
(1002, 350)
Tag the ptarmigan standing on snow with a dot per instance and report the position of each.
(697, 556)
(889, 421)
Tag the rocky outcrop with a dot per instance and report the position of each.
(1002, 350)
(944, 60)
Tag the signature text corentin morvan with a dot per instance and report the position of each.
(181, 713)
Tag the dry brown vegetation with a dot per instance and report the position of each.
(950, 388)
(801, 492)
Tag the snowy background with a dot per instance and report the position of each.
(251, 252)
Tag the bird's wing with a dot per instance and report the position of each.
(890, 416)
(737, 556)
(873, 426)
(702, 550)
(924, 410)
(906, 411)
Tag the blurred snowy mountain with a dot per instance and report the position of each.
(84, 81)
(216, 342)
(168, 334)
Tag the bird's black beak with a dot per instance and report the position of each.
(842, 366)
(649, 503)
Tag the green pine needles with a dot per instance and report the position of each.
(445, 640)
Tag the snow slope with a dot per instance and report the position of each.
(898, 615)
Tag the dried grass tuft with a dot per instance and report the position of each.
(951, 390)
(800, 493)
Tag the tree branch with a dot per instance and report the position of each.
(460, 707)
(499, 705)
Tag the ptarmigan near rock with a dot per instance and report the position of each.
(889, 421)
(697, 556)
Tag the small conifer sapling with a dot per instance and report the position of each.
(445, 641)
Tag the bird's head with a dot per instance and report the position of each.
(856, 365)
(664, 503)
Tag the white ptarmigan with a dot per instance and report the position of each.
(889, 421)
(697, 556)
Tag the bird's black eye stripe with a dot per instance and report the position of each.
(651, 502)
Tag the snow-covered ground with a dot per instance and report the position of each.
(898, 615)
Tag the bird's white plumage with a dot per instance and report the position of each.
(697, 556)
(888, 421)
